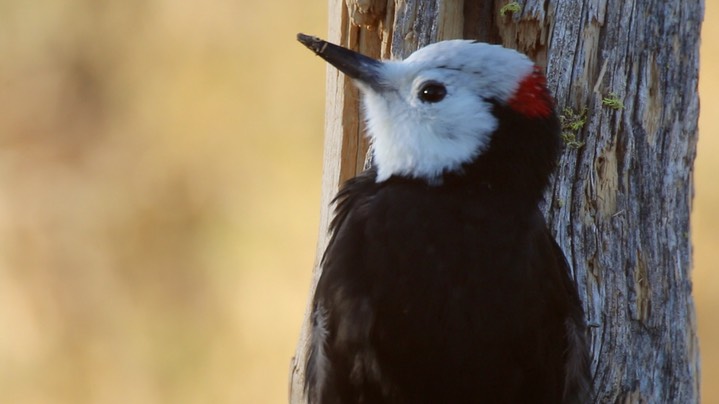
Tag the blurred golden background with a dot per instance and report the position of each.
(160, 167)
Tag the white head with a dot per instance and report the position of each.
(432, 112)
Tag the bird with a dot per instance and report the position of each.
(441, 282)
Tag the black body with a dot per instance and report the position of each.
(451, 293)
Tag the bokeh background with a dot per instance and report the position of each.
(160, 167)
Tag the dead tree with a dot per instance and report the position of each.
(624, 74)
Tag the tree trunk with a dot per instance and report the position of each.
(620, 202)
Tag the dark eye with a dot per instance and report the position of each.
(432, 92)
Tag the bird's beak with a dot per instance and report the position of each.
(353, 64)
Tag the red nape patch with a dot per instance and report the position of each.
(532, 98)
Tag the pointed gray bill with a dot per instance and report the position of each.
(351, 63)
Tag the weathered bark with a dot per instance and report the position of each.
(620, 202)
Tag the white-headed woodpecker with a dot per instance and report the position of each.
(441, 282)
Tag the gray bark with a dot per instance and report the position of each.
(620, 202)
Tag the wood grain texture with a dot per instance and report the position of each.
(620, 203)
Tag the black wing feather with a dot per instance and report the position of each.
(327, 374)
